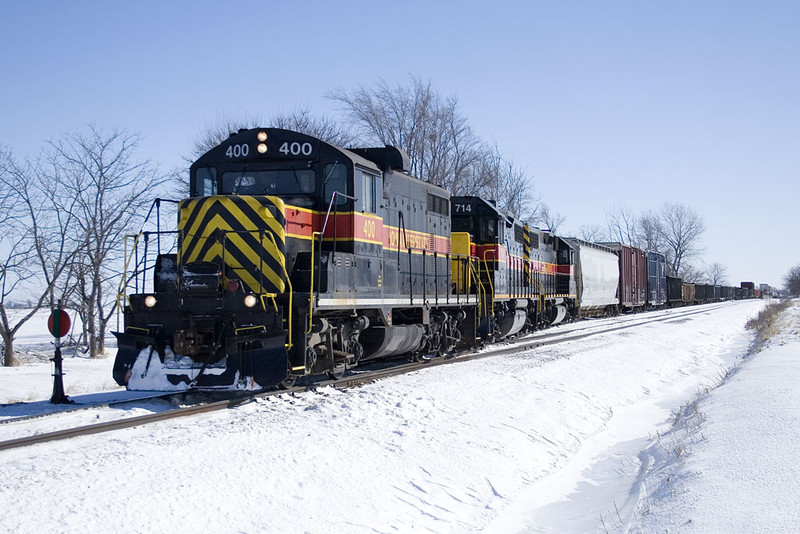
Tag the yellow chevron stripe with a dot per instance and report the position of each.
(231, 210)
(274, 226)
(236, 240)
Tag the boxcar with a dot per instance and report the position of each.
(657, 279)
(632, 275)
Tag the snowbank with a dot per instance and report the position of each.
(730, 462)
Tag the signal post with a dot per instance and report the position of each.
(58, 324)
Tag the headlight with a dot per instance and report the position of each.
(262, 148)
(262, 136)
(250, 301)
(150, 301)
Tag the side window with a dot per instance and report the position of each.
(369, 190)
(335, 177)
(205, 182)
(489, 230)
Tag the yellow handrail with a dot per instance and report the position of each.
(127, 258)
(311, 290)
(288, 283)
(489, 276)
(479, 286)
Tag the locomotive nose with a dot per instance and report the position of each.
(244, 236)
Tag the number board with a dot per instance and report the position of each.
(463, 208)
(277, 147)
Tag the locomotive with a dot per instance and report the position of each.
(295, 257)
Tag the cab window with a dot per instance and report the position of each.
(205, 182)
(369, 190)
(269, 182)
(335, 179)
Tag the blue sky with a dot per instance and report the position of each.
(604, 103)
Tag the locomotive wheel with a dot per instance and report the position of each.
(288, 382)
(337, 372)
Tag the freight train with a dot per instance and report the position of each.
(295, 257)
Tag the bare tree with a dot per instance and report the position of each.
(622, 225)
(36, 239)
(650, 235)
(682, 229)
(593, 233)
(111, 189)
(441, 145)
(16, 248)
(495, 178)
(690, 274)
(549, 219)
(792, 280)
(717, 274)
(398, 116)
(322, 127)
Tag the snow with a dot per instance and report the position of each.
(730, 463)
(149, 373)
(577, 437)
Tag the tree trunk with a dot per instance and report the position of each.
(92, 334)
(8, 351)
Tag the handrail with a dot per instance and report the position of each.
(540, 301)
(123, 283)
(478, 286)
(328, 214)
(489, 276)
(334, 196)
(288, 283)
(311, 290)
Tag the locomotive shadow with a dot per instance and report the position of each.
(43, 407)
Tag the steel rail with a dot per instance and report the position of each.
(72, 408)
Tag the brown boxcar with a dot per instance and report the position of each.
(688, 293)
(632, 275)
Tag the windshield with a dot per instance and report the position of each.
(269, 182)
(482, 229)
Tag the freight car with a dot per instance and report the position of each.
(699, 293)
(596, 275)
(656, 280)
(689, 293)
(632, 288)
(675, 291)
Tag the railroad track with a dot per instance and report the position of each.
(72, 408)
(356, 378)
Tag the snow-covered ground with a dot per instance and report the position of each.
(730, 462)
(576, 437)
